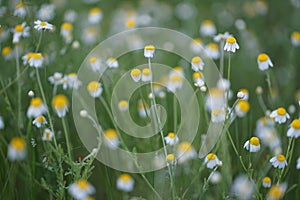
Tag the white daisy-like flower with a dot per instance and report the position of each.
(295, 38)
(243, 94)
(171, 139)
(125, 183)
(171, 159)
(143, 109)
(197, 63)
(60, 105)
(130, 23)
(298, 164)
(280, 115)
(81, 189)
(95, 15)
(222, 36)
(278, 161)
(276, 192)
(42, 25)
(66, 29)
(71, 81)
(7, 53)
(20, 30)
(39, 121)
(252, 145)
(211, 161)
(215, 100)
(20, 10)
(95, 63)
(112, 62)
(36, 108)
(231, 44)
(123, 105)
(33, 59)
(243, 187)
(242, 108)
(47, 135)
(223, 84)
(111, 139)
(16, 149)
(294, 130)
(146, 75)
(56, 78)
(185, 152)
(149, 51)
(208, 28)
(2, 125)
(266, 182)
(136, 75)
(198, 78)
(174, 83)
(218, 115)
(196, 45)
(95, 89)
(70, 16)
(212, 50)
(216, 177)
(46, 12)
(264, 62)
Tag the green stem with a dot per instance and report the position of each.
(229, 66)
(222, 58)
(268, 79)
(67, 136)
(20, 122)
(39, 42)
(175, 113)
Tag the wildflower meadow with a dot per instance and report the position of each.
(149, 99)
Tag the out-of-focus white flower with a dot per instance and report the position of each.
(196, 45)
(36, 108)
(216, 177)
(47, 135)
(39, 121)
(71, 81)
(143, 109)
(46, 12)
(266, 182)
(20, 10)
(208, 28)
(16, 149)
(243, 94)
(198, 78)
(60, 105)
(146, 75)
(1, 123)
(33, 59)
(185, 152)
(243, 187)
(223, 84)
(276, 192)
(81, 189)
(66, 29)
(264, 62)
(212, 50)
(7, 53)
(111, 138)
(278, 161)
(56, 78)
(42, 25)
(95, 89)
(212, 161)
(112, 62)
(222, 36)
(280, 115)
(298, 164)
(125, 183)
(70, 16)
(171, 139)
(95, 63)
(136, 75)
(242, 108)
(231, 45)
(174, 83)
(218, 115)
(294, 130)
(123, 105)
(149, 51)
(215, 99)
(197, 64)
(295, 38)
(20, 30)
(95, 15)
(252, 145)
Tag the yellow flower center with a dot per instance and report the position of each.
(60, 101)
(135, 72)
(43, 24)
(149, 48)
(125, 177)
(6, 51)
(36, 102)
(67, 26)
(213, 46)
(72, 75)
(296, 124)
(146, 72)
(185, 146)
(36, 56)
(267, 179)
(123, 104)
(245, 91)
(110, 133)
(254, 141)
(244, 105)
(216, 92)
(18, 143)
(281, 111)
(197, 75)
(215, 112)
(171, 135)
(231, 40)
(19, 28)
(280, 158)
(208, 23)
(95, 11)
(82, 184)
(48, 135)
(197, 41)
(40, 119)
(296, 35)
(130, 23)
(262, 57)
(19, 5)
(196, 59)
(176, 78)
(178, 69)
(93, 86)
(275, 192)
(211, 156)
(170, 157)
(92, 60)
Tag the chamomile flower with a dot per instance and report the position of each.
(243, 187)
(123, 105)
(211, 161)
(20, 10)
(89, 35)
(252, 145)
(276, 192)
(20, 30)
(56, 78)
(7, 53)
(198, 78)
(197, 64)
(72, 81)
(81, 189)
(218, 115)
(1, 123)
(171, 139)
(231, 45)
(212, 50)
(95, 89)
(266, 182)
(16, 149)
(136, 75)
(295, 38)
(125, 183)
(95, 15)
(223, 84)
(294, 130)
(42, 25)
(171, 160)
(242, 107)
(47, 135)
(196, 45)
(278, 161)
(208, 28)
(146, 75)
(112, 62)
(215, 99)
(185, 152)
(175, 82)
(130, 23)
(222, 36)
(264, 62)
(39, 121)
(298, 164)
(70, 16)
(280, 115)
(95, 63)
(149, 51)
(36, 108)
(111, 139)
(143, 109)
(46, 12)
(243, 94)
(33, 59)
(66, 29)
(60, 105)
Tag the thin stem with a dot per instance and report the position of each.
(67, 136)
(222, 58)
(175, 113)
(229, 66)
(20, 122)
(39, 42)
(268, 79)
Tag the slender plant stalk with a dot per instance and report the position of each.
(20, 122)
(67, 136)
